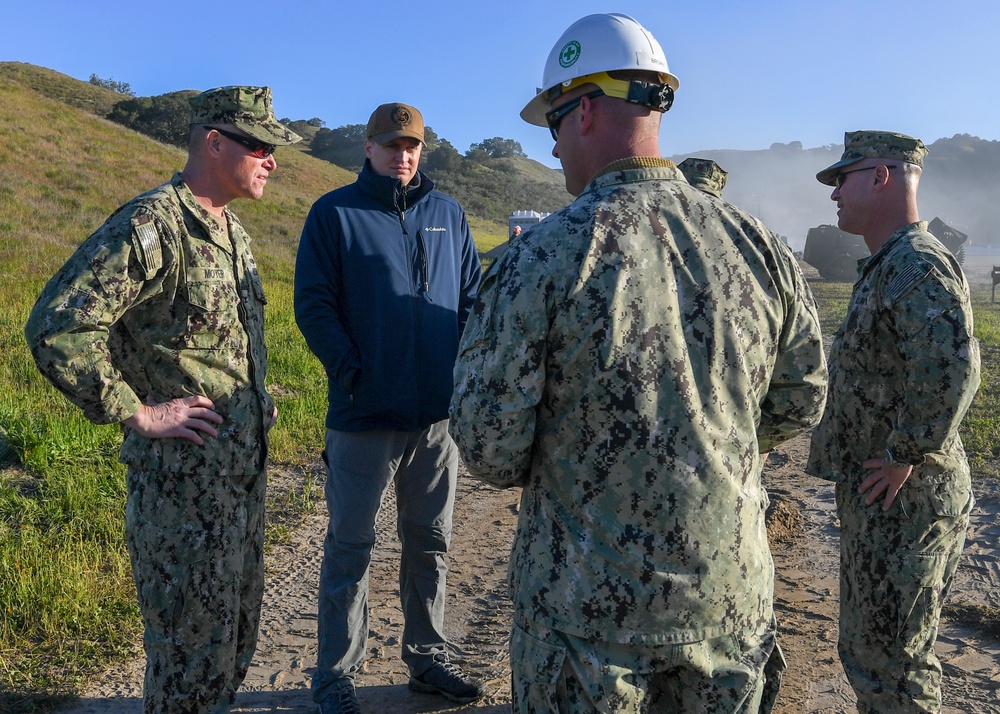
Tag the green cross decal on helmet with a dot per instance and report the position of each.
(569, 54)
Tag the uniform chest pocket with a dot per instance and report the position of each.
(212, 314)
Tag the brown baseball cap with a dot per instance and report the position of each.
(394, 121)
(860, 145)
(247, 108)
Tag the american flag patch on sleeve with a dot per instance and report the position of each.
(907, 278)
(147, 245)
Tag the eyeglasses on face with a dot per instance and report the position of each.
(554, 117)
(838, 181)
(260, 149)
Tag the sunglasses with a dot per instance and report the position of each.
(838, 181)
(554, 118)
(260, 149)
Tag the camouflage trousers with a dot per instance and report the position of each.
(896, 568)
(196, 543)
(556, 673)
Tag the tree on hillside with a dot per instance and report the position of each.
(164, 118)
(444, 158)
(110, 83)
(343, 146)
(431, 140)
(495, 148)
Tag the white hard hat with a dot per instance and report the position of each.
(595, 45)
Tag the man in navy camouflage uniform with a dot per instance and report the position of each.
(156, 322)
(903, 371)
(627, 363)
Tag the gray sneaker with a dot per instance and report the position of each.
(342, 699)
(446, 679)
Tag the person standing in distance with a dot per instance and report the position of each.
(904, 369)
(628, 362)
(385, 279)
(156, 323)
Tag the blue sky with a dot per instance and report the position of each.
(751, 73)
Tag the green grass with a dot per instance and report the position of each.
(831, 302)
(981, 428)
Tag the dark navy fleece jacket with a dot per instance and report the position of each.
(385, 279)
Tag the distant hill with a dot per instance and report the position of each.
(960, 183)
(74, 168)
(61, 87)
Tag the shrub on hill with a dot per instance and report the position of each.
(164, 118)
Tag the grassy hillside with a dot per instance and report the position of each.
(61, 87)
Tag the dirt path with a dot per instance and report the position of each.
(478, 616)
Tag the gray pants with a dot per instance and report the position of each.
(361, 466)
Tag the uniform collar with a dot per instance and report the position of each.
(635, 162)
(217, 228)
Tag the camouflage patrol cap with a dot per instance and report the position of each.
(246, 108)
(704, 174)
(394, 121)
(860, 145)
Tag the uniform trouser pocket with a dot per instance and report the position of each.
(536, 667)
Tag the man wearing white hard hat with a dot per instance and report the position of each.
(627, 363)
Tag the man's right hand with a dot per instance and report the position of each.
(178, 418)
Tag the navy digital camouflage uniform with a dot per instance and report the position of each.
(164, 301)
(627, 362)
(903, 371)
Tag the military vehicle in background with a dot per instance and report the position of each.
(953, 239)
(835, 254)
